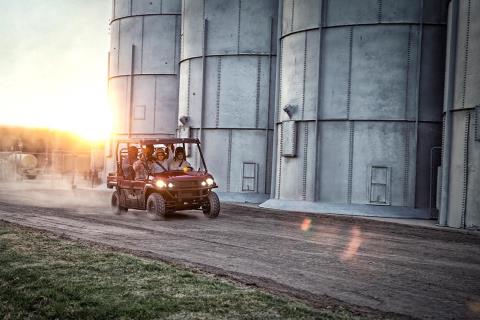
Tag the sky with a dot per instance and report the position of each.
(53, 65)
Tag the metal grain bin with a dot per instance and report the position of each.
(143, 66)
(227, 74)
(359, 102)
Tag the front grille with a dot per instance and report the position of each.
(186, 184)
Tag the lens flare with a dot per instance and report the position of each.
(353, 246)
(306, 224)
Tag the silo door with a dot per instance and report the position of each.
(379, 191)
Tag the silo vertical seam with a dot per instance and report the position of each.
(406, 162)
(155, 103)
(304, 74)
(130, 112)
(182, 36)
(321, 23)
(279, 171)
(380, 11)
(305, 162)
(161, 6)
(239, 25)
(350, 161)
(466, 141)
(204, 68)
(118, 49)
(280, 73)
(127, 109)
(141, 54)
(114, 4)
(442, 160)
(351, 123)
(418, 97)
(257, 98)
(131, 6)
(229, 162)
(175, 47)
(219, 75)
(407, 90)
(188, 87)
(293, 11)
(349, 81)
(466, 54)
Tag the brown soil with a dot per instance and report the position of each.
(371, 267)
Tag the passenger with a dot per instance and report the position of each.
(141, 167)
(162, 162)
(179, 162)
(127, 163)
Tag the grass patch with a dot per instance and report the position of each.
(44, 277)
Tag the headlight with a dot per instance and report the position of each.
(209, 181)
(170, 185)
(161, 184)
(203, 183)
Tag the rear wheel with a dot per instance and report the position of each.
(156, 207)
(211, 208)
(115, 204)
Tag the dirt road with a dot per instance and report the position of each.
(326, 260)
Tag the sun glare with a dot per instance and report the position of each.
(87, 116)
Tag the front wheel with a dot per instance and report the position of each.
(156, 207)
(211, 208)
(115, 204)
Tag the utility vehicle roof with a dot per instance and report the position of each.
(144, 141)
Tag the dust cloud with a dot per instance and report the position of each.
(54, 195)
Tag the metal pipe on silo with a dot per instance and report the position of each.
(449, 96)
(276, 104)
(461, 181)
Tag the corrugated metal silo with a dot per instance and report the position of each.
(227, 74)
(143, 66)
(460, 206)
(359, 104)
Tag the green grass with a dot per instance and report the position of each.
(43, 277)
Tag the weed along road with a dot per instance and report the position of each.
(324, 260)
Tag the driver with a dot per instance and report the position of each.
(179, 162)
(143, 167)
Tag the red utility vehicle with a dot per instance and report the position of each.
(166, 192)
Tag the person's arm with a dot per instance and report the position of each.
(171, 152)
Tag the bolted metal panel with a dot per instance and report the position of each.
(142, 7)
(143, 88)
(333, 171)
(346, 12)
(121, 8)
(380, 92)
(376, 108)
(462, 178)
(156, 57)
(226, 82)
(335, 73)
